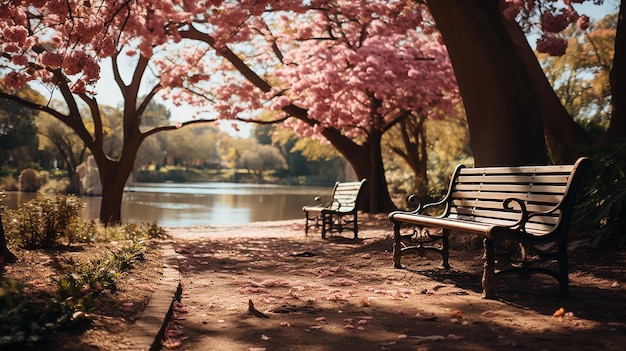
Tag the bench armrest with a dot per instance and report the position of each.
(419, 209)
(439, 203)
(525, 216)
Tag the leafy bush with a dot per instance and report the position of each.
(42, 223)
(601, 210)
(8, 183)
(29, 180)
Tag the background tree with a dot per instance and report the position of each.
(18, 142)
(262, 159)
(65, 146)
(580, 77)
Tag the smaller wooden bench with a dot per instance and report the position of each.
(529, 205)
(339, 214)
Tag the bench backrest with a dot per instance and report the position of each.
(346, 196)
(478, 194)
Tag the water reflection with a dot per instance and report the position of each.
(174, 205)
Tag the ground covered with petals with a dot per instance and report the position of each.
(266, 286)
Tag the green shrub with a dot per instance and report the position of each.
(29, 180)
(601, 209)
(43, 223)
(8, 183)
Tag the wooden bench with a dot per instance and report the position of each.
(529, 205)
(339, 214)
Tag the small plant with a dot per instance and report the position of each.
(90, 278)
(25, 323)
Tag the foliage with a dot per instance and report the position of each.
(17, 127)
(262, 158)
(601, 209)
(8, 183)
(24, 323)
(580, 77)
(44, 223)
(27, 317)
(29, 180)
(88, 279)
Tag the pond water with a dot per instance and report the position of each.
(191, 204)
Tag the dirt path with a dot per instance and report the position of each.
(341, 294)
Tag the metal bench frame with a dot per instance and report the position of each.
(338, 214)
(529, 205)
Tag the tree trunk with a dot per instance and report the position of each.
(617, 125)
(113, 177)
(503, 113)
(366, 160)
(6, 256)
(561, 131)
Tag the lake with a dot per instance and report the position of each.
(192, 204)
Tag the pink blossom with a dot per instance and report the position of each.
(551, 45)
(554, 23)
(15, 80)
(20, 60)
(51, 59)
(16, 34)
(583, 22)
(10, 47)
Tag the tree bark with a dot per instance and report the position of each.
(503, 113)
(617, 125)
(366, 160)
(561, 131)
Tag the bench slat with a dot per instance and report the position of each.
(488, 215)
(520, 169)
(474, 203)
(515, 178)
(513, 188)
(534, 198)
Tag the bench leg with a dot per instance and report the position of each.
(563, 269)
(445, 248)
(397, 245)
(327, 222)
(488, 269)
(356, 226)
(306, 224)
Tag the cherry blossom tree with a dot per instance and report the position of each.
(60, 45)
(344, 71)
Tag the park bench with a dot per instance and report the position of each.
(338, 214)
(530, 206)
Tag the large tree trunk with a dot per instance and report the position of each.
(503, 113)
(617, 125)
(561, 131)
